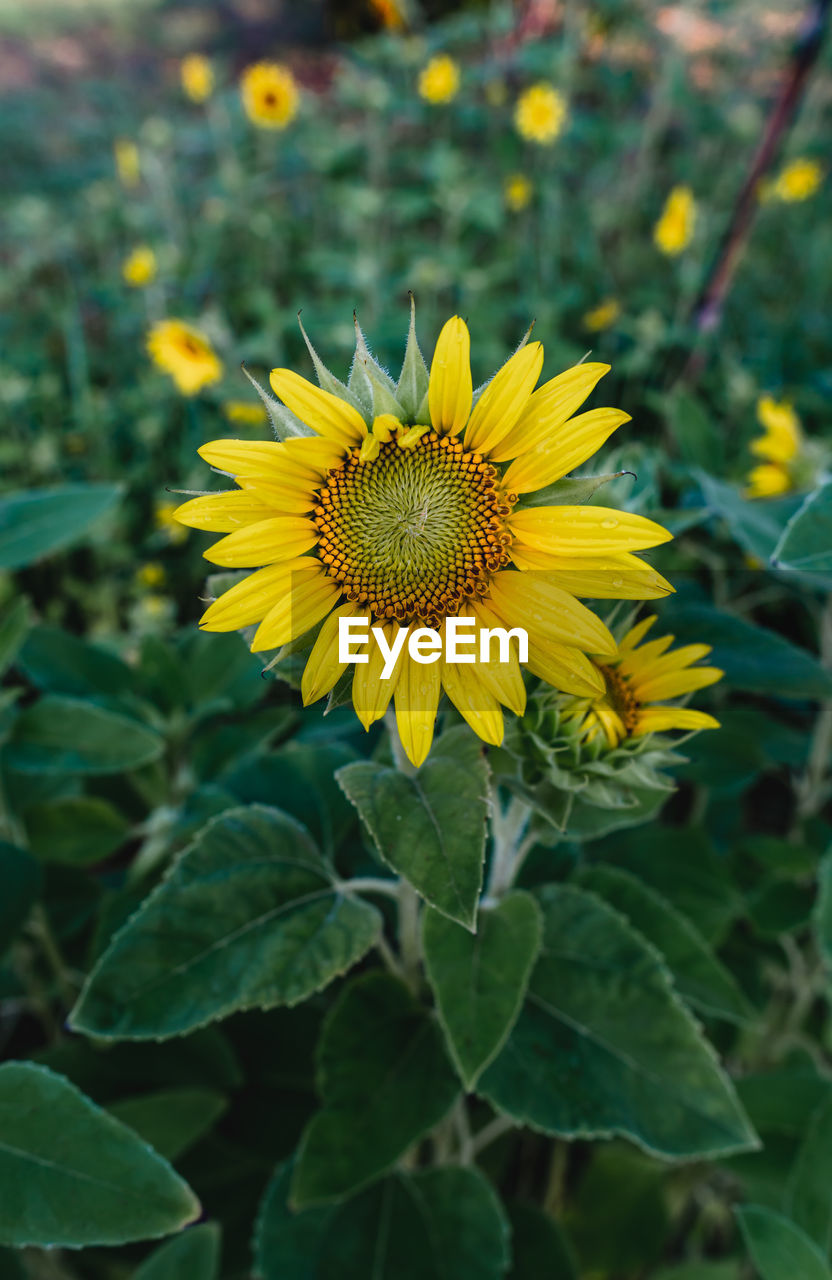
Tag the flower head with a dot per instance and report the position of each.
(128, 165)
(540, 114)
(796, 181)
(197, 76)
(406, 503)
(517, 191)
(270, 95)
(244, 412)
(152, 574)
(602, 316)
(780, 445)
(139, 267)
(674, 230)
(439, 80)
(185, 353)
(640, 680)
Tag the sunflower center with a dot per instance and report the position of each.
(414, 532)
(621, 695)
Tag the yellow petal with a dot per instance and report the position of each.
(308, 599)
(417, 700)
(450, 388)
(592, 530)
(271, 458)
(548, 408)
(476, 704)
(323, 670)
(504, 399)
(637, 633)
(565, 668)
(223, 512)
(504, 679)
(289, 496)
(621, 577)
(370, 694)
(676, 683)
(684, 656)
(278, 538)
(547, 612)
(325, 413)
(572, 444)
(659, 719)
(633, 661)
(250, 600)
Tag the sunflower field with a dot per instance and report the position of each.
(415, 640)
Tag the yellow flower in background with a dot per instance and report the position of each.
(128, 166)
(415, 523)
(245, 412)
(602, 316)
(152, 574)
(270, 95)
(197, 76)
(797, 181)
(517, 192)
(185, 353)
(439, 80)
(780, 446)
(540, 113)
(674, 230)
(640, 679)
(139, 267)
(389, 14)
(166, 521)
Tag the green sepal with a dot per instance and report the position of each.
(384, 400)
(568, 492)
(284, 423)
(412, 388)
(326, 379)
(359, 380)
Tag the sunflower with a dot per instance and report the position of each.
(517, 192)
(139, 267)
(439, 80)
(415, 516)
(197, 76)
(184, 353)
(780, 445)
(128, 162)
(674, 230)
(796, 181)
(540, 114)
(639, 679)
(270, 95)
(602, 316)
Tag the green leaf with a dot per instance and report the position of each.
(194, 1255)
(13, 628)
(171, 1120)
(480, 979)
(700, 1271)
(755, 524)
(71, 1175)
(823, 910)
(20, 877)
(699, 977)
(36, 522)
(384, 1080)
(430, 828)
(414, 379)
(75, 830)
(809, 1198)
(249, 916)
(539, 1248)
(59, 662)
(806, 543)
(442, 1224)
(67, 735)
(779, 1249)
(604, 1046)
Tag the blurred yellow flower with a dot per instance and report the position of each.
(184, 353)
(165, 520)
(780, 446)
(197, 77)
(270, 95)
(139, 267)
(540, 113)
(128, 168)
(244, 412)
(602, 316)
(797, 181)
(674, 230)
(151, 574)
(517, 191)
(439, 80)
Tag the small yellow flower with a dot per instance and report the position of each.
(270, 95)
(128, 166)
(139, 267)
(517, 192)
(166, 521)
(780, 446)
(244, 412)
(602, 316)
(197, 77)
(151, 574)
(797, 181)
(184, 353)
(540, 114)
(439, 80)
(674, 230)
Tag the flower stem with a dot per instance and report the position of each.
(508, 827)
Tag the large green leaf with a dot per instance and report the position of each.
(480, 979)
(59, 662)
(809, 1200)
(75, 830)
(14, 625)
(384, 1079)
(756, 525)
(603, 1044)
(443, 1224)
(538, 1246)
(171, 1120)
(779, 1249)
(806, 543)
(37, 522)
(20, 878)
(702, 979)
(71, 1175)
(430, 828)
(823, 910)
(193, 1255)
(248, 917)
(67, 735)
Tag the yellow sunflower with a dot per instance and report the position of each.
(197, 76)
(674, 230)
(270, 95)
(415, 518)
(439, 80)
(184, 353)
(139, 267)
(540, 114)
(639, 681)
(796, 181)
(517, 192)
(780, 446)
(602, 316)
